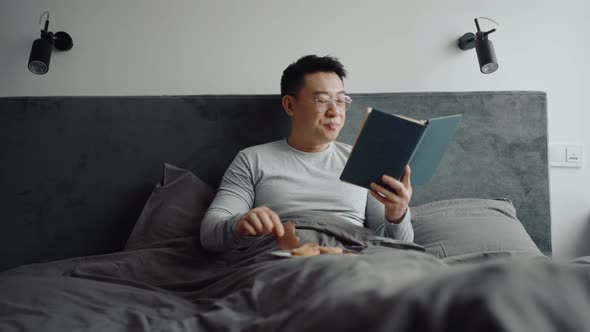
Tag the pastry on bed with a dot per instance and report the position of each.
(314, 249)
(308, 249)
(330, 250)
(289, 240)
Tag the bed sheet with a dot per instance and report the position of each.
(385, 285)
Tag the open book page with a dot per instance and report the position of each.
(413, 120)
(369, 109)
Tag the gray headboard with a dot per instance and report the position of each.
(76, 171)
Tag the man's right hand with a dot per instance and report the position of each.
(260, 221)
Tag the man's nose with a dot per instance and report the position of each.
(332, 109)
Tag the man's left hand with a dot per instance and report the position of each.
(396, 198)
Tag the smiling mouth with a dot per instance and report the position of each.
(332, 126)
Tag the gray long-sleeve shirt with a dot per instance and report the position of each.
(287, 180)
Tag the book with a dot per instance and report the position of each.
(386, 143)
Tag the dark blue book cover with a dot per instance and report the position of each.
(388, 142)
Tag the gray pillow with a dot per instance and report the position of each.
(465, 226)
(174, 209)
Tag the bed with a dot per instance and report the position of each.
(102, 199)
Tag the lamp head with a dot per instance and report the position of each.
(484, 48)
(486, 56)
(41, 50)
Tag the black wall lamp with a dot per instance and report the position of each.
(42, 47)
(483, 46)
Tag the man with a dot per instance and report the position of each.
(302, 172)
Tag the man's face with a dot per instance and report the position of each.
(319, 123)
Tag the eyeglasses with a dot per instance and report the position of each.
(322, 103)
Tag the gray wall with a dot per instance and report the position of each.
(148, 47)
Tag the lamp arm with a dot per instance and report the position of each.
(46, 21)
(479, 32)
(487, 33)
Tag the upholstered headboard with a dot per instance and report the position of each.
(76, 171)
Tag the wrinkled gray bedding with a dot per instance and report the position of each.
(389, 286)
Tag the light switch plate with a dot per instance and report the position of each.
(573, 154)
(565, 155)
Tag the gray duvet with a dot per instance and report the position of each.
(387, 286)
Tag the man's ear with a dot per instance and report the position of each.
(287, 102)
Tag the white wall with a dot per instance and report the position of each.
(140, 47)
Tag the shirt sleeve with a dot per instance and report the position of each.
(234, 197)
(375, 220)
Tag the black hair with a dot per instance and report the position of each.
(292, 79)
